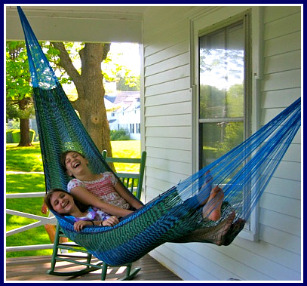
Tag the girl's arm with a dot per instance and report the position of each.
(84, 196)
(123, 193)
(111, 221)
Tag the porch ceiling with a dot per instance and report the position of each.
(91, 23)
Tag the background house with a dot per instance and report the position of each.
(123, 112)
(171, 37)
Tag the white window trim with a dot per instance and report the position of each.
(212, 20)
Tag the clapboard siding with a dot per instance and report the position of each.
(293, 153)
(283, 62)
(171, 74)
(277, 46)
(280, 206)
(285, 188)
(169, 140)
(273, 13)
(270, 113)
(166, 120)
(169, 143)
(282, 26)
(175, 132)
(282, 80)
(174, 155)
(169, 98)
(166, 53)
(288, 170)
(280, 221)
(277, 98)
(169, 109)
(162, 180)
(284, 205)
(168, 64)
(168, 86)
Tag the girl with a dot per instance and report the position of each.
(114, 199)
(63, 203)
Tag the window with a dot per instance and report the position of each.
(138, 128)
(222, 122)
(223, 76)
(131, 128)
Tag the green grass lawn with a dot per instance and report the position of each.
(28, 159)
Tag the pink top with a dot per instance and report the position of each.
(102, 188)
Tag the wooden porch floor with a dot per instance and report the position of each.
(34, 268)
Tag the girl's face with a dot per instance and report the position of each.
(62, 202)
(75, 163)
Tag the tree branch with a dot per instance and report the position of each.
(66, 62)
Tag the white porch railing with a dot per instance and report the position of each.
(41, 220)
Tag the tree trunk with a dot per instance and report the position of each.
(89, 85)
(24, 125)
(91, 106)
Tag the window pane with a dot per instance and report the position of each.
(221, 73)
(219, 138)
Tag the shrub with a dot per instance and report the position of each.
(121, 134)
(13, 135)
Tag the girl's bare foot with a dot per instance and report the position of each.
(212, 209)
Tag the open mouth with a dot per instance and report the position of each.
(76, 165)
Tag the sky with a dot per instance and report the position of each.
(131, 55)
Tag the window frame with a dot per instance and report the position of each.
(205, 24)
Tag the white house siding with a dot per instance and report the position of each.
(168, 119)
(169, 140)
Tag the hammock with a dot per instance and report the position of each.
(173, 216)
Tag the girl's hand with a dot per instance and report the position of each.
(79, 225)
(113, 220)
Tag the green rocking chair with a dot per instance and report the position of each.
(75, 254)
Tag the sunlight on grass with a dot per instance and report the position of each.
(27, 159)
(126, 149)
(30, 183)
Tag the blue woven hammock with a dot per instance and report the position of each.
(176, 214)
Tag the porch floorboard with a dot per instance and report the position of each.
(34, 268)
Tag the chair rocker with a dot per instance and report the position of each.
(77, 255)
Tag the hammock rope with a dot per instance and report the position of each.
(175, 215)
